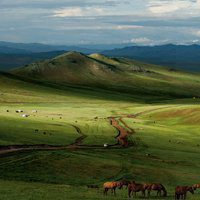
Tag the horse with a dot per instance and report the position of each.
(124, 183)
(156, 187)
(136, 187)
(181, 191)
(196, 186)
(111, 186)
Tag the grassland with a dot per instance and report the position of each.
(164, 148)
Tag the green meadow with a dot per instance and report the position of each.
(164, 149)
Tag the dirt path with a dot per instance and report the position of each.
(123, 134)
(122, 137)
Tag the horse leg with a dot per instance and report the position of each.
(105, 191)
(144, 193)
(114, 189)
(129, 193)
(149, 193)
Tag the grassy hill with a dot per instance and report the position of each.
(116, 74)
(83, 94)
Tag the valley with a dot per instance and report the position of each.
(84, 102)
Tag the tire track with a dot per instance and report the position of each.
(80, 139)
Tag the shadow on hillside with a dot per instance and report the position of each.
(102, 91)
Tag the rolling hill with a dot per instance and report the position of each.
(113, 74)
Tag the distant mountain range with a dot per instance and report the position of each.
(14, 55)
(185, 57)
(23, 48)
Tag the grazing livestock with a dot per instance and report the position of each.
(25, 115)
(196, 186)
(111, 186)
(105, 145)
(34, 111)
(124, 183)
(136, 187)
(156, 187)
(181, 191)
(19, 111)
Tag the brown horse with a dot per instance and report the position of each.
(111, 186)
(136, 187)
(196, 186)
(181, 191)
(124, 183)
(156, 187)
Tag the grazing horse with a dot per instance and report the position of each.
(136, 187)
(124, 183)
(156, 187)
(111, 186)
(181, 191)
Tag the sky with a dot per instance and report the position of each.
(140, 22)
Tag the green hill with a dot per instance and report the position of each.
(113, 74)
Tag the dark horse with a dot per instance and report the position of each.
(156, 187)
(124, 183)
(136, 187)
(181, 191)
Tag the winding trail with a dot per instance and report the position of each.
(123, 134)
(122, 137)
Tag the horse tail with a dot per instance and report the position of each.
(164, 190)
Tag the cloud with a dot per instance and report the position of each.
(127, 27)
(196, 33)
(102, 21)
(163, 7)
(142, 40)
(79, 12)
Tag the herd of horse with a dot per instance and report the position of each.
(134, 188)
